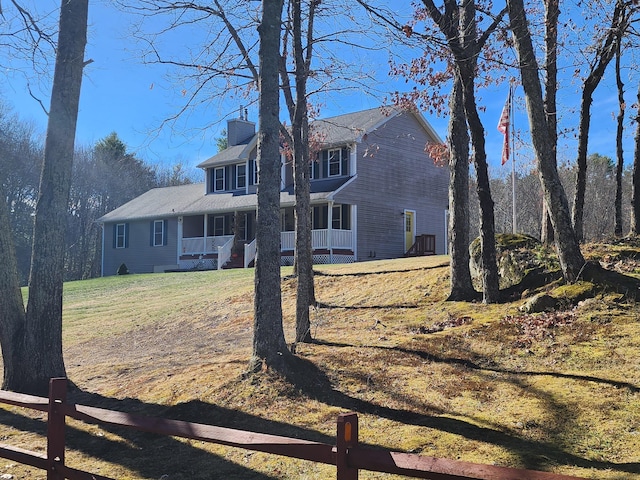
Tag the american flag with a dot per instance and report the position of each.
(504, 126)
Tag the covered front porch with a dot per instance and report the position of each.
(213, 241)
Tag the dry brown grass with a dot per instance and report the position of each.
(488, 385)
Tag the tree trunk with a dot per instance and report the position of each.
(491, 289)
(12, 315)
(305, 295)
(461, 286)
(466, 66)
(569, 254)
(604, 55)
(269, 347)
(581, 162)
(552, 12)
(38, 339)
(617, 229)
(635, 186)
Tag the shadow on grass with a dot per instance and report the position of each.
(152, 456)
(534, 455)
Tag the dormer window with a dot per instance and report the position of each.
(241, 176)
(219, 179)
(335, 163)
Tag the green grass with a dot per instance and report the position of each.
(490, 385)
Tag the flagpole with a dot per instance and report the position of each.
(513, 160)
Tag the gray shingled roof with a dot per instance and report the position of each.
(190, 199)
(332, 131)
(351, 127)
(237, 152)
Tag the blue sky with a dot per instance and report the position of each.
(121, 94)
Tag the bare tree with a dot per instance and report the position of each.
(269, 346)
(459, 26)
(569, 254)
(302, 46)
(635, 193)
(604, 53)
(461, 285)
(32, 340)
(552, 13)
(619, 148)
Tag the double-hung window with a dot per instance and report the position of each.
(120, 235)
(241, 176)
(218, 179)
(158, 233)
(335, 163)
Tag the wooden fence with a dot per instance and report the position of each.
(346, 454)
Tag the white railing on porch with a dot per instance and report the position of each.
(249, 253)
(224, 252)
(320, 239)
(203, 245)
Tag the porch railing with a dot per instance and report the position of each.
(249, 253)
(320, 239)
(224, 252)
(202, 245)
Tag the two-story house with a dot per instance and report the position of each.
(374, 191)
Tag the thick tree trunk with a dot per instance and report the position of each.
(269, 347)
(491, 291)
(305, 295)
(12, 315)
(635, 186)
(552, 12)
(466, 66)
(40, 348)
(461, 286)
(569, 254)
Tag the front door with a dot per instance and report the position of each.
(409, 229)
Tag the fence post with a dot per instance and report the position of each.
(55, 427)
(347, 437)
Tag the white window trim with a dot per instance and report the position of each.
(155, 233)
(122, 236)
(238, 166)
(256, 176)
(338, 155)
(215, 179)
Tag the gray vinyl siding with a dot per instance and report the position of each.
(383, 193)
(140, 256)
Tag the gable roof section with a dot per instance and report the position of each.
(333, 131)
(237, 152)
(352, 127)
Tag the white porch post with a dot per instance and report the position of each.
(204, 233)
(102, 254)
(330, 230)
(354, 231)
(179, 252)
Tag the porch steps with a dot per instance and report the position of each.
(424, 245)
(236, 261)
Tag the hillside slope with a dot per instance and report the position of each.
(482, 383)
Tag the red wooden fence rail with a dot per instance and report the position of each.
(346, 455)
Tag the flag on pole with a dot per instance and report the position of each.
(504, 125)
